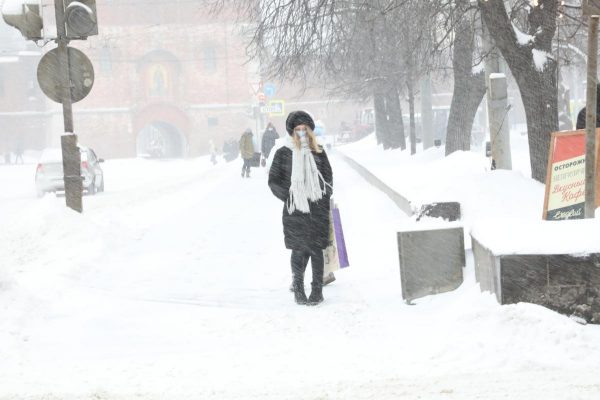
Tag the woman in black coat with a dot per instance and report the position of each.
(301, 177)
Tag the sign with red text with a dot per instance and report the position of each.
(565, 180)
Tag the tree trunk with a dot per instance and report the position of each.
(426, 113)
(469, 90)
(388, 118)
(380, 118)
(540, 99)
(401, 131)
(535, 76)
(411, 109)
(394, 111)
(383, 126)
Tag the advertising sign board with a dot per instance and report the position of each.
(565, 180)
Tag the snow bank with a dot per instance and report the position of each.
(174, 284)
(501, 208)
(518, 236)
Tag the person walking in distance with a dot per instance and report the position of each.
(19, 154)
(268, 140)
(247, 150)
(302, 178)
(212, 149)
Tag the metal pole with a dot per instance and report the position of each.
(590, 118)
(70, 151)
(498, 117)
(426, 112)
(492, 65)
(63, 55)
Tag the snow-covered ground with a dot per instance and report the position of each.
(173, 284)
(504, 207)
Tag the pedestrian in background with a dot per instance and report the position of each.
(302, 178)
(247, 150)
(19, 154)
(212, 149)
(268, 140)
(581, 116)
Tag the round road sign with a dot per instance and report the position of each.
(81, 74)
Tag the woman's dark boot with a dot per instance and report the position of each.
(299, 261)
(299, 294)
(316, 294)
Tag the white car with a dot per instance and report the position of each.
(49, 176)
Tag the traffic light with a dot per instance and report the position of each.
(80, 18)
(25, 16)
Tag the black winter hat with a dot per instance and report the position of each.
(298, 118)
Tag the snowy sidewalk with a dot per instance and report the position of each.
(178, 289)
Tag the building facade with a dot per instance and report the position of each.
(170, 76)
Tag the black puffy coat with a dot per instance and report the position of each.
(302, 231)
(268, 141)
(581, 116)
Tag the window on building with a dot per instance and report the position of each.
(213, 121)
(209, 56)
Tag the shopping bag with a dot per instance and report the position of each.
(339, 238)
(255, 160)
(330, 254)
(336, 255)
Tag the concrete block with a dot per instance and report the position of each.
(450, 211)
(523, 278)
(485, 269)
(431, 261)
(568, 284)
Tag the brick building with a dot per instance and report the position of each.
(22, 106)
(169, 77)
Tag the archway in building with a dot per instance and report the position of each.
(160, 139)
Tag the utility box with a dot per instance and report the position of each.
(431, 261)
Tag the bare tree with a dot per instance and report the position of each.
(417, 51)
(374, 49)
(469, 77)
(361, 48)
(527, 51)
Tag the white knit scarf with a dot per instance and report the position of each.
(305, 185)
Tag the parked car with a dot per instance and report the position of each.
(49, 176)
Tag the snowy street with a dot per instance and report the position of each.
(175, 285)
(146, 147)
